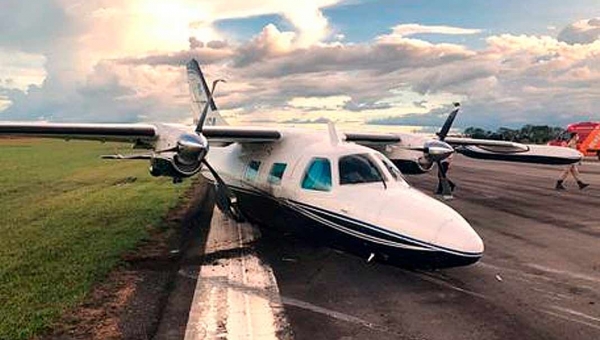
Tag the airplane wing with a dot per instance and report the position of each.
(406, 150)
(372, 139)
(135, 132)
(102, 132)
(226, 134)
(514, 152)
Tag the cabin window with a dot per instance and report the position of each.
(318, 175)
(356, 169)
(276, 173)
(252, 171)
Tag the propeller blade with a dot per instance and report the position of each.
(209, 102)
(225, 199)
(173, 149)
(448, 123)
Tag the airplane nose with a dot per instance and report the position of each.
(458, 235)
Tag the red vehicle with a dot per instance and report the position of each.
(589, 137)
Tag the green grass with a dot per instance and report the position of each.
(64, 221)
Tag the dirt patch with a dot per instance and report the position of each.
(128, 304)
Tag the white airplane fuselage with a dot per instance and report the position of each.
(274, 184)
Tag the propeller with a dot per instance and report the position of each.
(225, 198)
(435, 151)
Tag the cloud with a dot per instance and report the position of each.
(138, 39)
(405, 30)
(435, 117)
(123, 62)
(320, 120)
(269, 43)
(581, 32)
(319, 103)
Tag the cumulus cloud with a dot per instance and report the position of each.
(320, 120)
(115, 62)
(405, 30)
(138, 38)
(581, 32)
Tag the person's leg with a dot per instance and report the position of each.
(561, 179)
(575, 173)
(564, 174)
(438, 191)
(443, 169)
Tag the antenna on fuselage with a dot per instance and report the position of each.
(334, 138)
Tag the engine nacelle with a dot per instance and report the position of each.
(418, 155)
(173, 167)
(413, 166)
(184, 159)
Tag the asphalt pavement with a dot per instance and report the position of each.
(539, 277)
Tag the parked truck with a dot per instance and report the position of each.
(589, 137)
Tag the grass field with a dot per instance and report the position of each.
(65, 216)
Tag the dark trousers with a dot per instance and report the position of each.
(444, 169)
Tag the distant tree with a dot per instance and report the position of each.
(477, 133)
(537, 134)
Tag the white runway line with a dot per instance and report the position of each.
(236, 297)
(570, 319)
(567, 273)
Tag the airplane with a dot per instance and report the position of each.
(345, 188)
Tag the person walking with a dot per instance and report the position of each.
(571, 169)
(445, 165)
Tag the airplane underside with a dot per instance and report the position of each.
(317, 225)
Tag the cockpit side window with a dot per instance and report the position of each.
(318, 175)
(252, 171)
(358, 168)
(391, 168)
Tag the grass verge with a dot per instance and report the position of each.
(65, 217)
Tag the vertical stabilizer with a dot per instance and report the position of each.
(334, 137)
(199, 93)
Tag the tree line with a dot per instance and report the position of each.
(536, 134)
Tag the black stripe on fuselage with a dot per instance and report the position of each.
(349, 237)
(358, 228)
(382, 233)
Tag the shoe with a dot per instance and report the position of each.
(582, 185)
(560, 186)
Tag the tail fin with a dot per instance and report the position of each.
(199, 96)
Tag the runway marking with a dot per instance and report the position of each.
(564, 317)
(236, 297)
(574, 312)
(277, 301)
(524, 275)
(438, 281)
(550, 294)
(564, 272)
(331, 313)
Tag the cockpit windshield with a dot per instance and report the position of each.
(358, 168)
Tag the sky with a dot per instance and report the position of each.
(508, 63)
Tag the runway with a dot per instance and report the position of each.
(539, 277)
